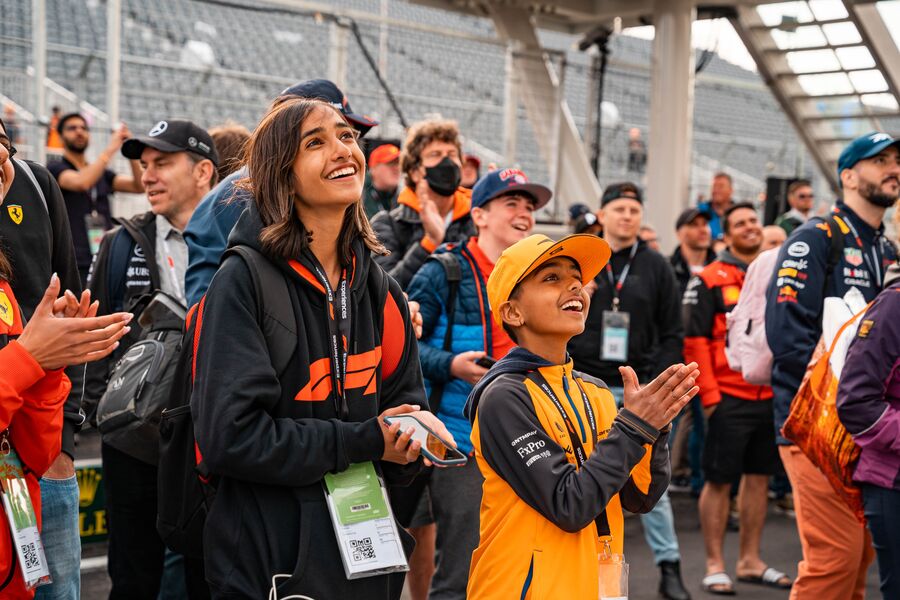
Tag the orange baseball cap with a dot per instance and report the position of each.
(386, 153)
(522, 258)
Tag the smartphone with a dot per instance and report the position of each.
(433, 447)
(486, 361)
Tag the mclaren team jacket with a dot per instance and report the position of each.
(538, 534)
(708, 298)
(272, 437)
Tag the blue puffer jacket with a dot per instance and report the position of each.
(471, 331)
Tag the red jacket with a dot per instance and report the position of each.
(708, 298)
(31, 407)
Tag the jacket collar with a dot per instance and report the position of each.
(518, 360)
(462, 204)
(728, 258)
(866, 231)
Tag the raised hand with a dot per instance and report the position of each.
(432, 221)
(56, 342)
(662, 399)
(463, 366)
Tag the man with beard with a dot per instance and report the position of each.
(837, 548)
(740, 443)
(86, 186)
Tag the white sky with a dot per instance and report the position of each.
(718, 33)
(705, 35)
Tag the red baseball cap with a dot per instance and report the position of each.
(473, 159)
(386, 153)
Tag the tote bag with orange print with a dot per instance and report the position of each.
(813, 422)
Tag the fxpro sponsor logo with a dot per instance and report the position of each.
(530, 448)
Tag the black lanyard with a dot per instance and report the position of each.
(616, 285)
(859, 243)
(581, 456)
(337, 312)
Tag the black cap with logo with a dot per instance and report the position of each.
(173, 135)
(617, 191)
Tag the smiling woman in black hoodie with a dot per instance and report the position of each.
(270, 437)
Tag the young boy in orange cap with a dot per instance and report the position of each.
(559, 460)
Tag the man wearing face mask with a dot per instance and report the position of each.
(433, 209)
(833, 566)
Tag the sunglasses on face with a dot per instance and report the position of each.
(805, 196)
(10, 149)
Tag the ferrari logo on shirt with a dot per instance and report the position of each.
(15, 213)
(6, 309)
(730, 294)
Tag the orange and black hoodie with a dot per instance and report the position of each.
(31, 408)
(271, 437)
(709, 296)
(541, 515)
(402, 233)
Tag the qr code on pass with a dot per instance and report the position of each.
(362, 549)
(31, 556)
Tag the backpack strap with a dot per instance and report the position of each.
(276, 311)
(453, 273)
(835, 251)
(30, 175)
(120, 248)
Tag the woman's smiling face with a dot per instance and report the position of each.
(329, 168)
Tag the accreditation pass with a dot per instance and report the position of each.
(364, 525)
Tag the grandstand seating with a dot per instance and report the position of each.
(258, 53)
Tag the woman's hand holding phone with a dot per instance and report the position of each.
(397, 445)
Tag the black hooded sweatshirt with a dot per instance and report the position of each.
(271, 440)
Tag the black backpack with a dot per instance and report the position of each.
(186, 488)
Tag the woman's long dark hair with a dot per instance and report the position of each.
(270, 157)
(5, 267)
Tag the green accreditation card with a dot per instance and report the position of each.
(364, 526)
(22, 520)
(357, 494)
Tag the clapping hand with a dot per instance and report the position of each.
(662, 399)
(63, 331)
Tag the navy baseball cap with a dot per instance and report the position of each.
(322, 89)
(688, 215)
(864, 147)
(504, 181)
(173, 135)
(577, 209)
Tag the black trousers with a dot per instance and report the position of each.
(136, 552)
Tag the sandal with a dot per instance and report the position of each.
(769, 578)
(718, 583)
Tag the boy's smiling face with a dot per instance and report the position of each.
(550, 301)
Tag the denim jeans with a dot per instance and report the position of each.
(882, 509)
(659, 523)
(696, 442)
(62, 541)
